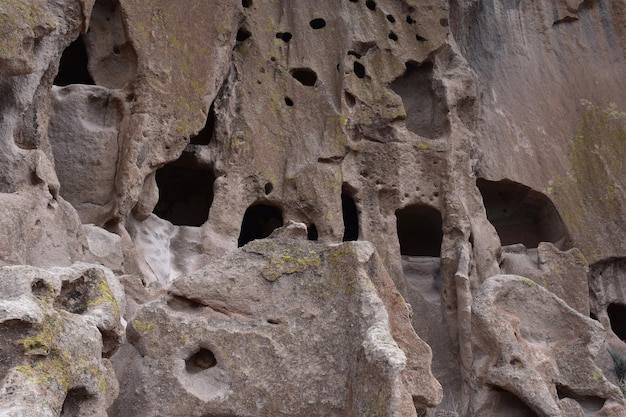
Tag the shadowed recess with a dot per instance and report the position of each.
(73, 65)
(617, 316)
(350, 217)
(199, 361)
(305, 76)
(73, 400)
(317, 23)
(419, 230)
(522, 215)
(311, 232)
(423, 100)
(185, 194)
(206, 134)
(259, 222)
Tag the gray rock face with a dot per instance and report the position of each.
(282, 327)
(143, 143)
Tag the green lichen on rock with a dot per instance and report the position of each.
(596, 179)
(104, 296)
(290, 261)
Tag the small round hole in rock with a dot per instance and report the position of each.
(288, 101)
(359, 70)
(410, 20)
(246, 3)
(285, 36)
(391, 19)
(371, 4)
(350, 99)
(305, 76)
(393, 36)
(420, 38)
(268, 188)
(317, 23)
(201, 360)
(243, 34)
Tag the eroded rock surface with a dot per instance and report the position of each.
(453, 140)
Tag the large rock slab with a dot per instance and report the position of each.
(280, 328)
(531, 344)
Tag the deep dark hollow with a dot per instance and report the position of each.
(522, 215)
(206, 134)
(305, 76)
(201, 360)
(371, 4)
(359, 70)
(285, 36)
(617, 316)
(393, 36)
(350, 217)
(73, 65)
(419, 230)
(185, 195)
(318, 23)
(311, 232)
(246, 3)
(73, 401)
(259, 222)
(242, 34)
(288, 101)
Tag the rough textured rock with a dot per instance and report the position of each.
(541, 361)
(57, 330)
(461, 139)
(281, 327)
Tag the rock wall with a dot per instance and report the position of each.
(290, 208)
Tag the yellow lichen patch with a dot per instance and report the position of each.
(105, 296)
(143, 326)
(289, 262)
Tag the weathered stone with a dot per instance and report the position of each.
(280, 328)
(543, 362)
(56, 325)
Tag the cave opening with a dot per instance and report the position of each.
(359, 70)
(205, 135)
(311, 232)
(522, 215)
(73, 65)
(419, 230)
(423, 100)
(185, 193)
(259, 221)
(73, 400)
(617, 317)
(305, 76)
(350, 216)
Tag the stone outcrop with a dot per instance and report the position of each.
(200, 170)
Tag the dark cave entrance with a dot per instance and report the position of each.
(185, 194)
(522, 215)
(73, 65)
(259, 222)
(419, 230)
(617, 316)
(350, 216)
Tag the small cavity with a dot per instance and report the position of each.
(72, 406)
(318, 23)
(246, 3)
(420, 38)
(391, 19)
(311, 232)
(371, 4)
(359, 70)
(393, 36)
(259, 221)
(420, 230)
(179, 303)
(200, 361)
(617, 317)
(350, 216)
(269, 187)
(242, 34)
(350, 99)
(73, 65)
(205, 135)
(410, 20)
(288, 101)
(305, 76)
(285, 36)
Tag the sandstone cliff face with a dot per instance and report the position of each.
(290, 208)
